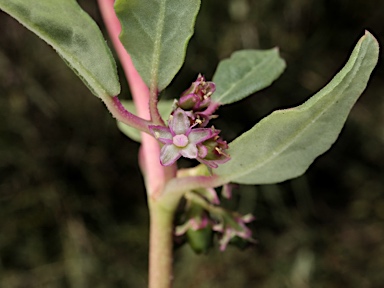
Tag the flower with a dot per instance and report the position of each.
(213, 151)
(179, 138)
(198, 96)
(233, 226)
(195, 223)
(197, 229)
(186, 134)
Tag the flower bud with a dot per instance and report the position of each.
(198, 96)
(188, 102)
(215, 152)
(197, 228)
(200, 240)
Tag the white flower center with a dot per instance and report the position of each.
(180, 140)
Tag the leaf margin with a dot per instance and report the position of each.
(367, 39)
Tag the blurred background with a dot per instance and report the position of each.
(72, 202)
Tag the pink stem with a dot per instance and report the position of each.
(121, 114)
(140, 92)
(154, 173)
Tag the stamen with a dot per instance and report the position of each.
(220, 151)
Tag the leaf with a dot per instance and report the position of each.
(165, 109)
(75, 37)
(156, 33)
(284, 144)
(246, 72)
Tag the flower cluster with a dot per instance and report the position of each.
(203, 217)
(186, 134)
(231, 226)
(197, 229)
(197, 100)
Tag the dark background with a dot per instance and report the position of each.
(72, 201)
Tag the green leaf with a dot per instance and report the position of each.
(284, 144)
(246, 72)
(165, 109)
(156, 34)
(75, 37)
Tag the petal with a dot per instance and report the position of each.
(214, 163)
(188, 101)
(169, 155)
(211, 87)
(209, 163)
(203, 151)
(163, 134)
(227, 236)
(200, 78)
(181, 229)
(248, 218)
(190, 151)
(179, 123)
(226, 191)
(199, 135)
(219, 227)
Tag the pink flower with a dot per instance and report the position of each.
(198, 96)
(213, 151)
(195, 223)
(233, 226)
(179, 138)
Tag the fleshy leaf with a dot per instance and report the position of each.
(246, 72)
(75, 37)
(284, 144)
(165, 109)
(156, 33)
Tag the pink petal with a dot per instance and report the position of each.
(199, 135)
(248, 218)
(179, 123)
(227, 236)
(215, 162)
(209, 163)
(190, 151)
(169, 154)
(203, 151)
(163, 134)
(226, 191)
(213, 196)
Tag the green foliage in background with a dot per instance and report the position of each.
(64, 180)
(157, 46)
(75, 37)
(284, 144)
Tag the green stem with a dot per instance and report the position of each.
(160, 244)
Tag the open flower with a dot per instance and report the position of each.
(179, 138)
